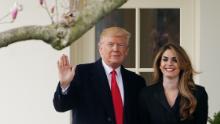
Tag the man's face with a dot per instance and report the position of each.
(113, 50)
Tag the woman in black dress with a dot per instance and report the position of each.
(174, 98)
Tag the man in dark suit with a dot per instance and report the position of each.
(103, 92)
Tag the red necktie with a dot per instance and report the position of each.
(117, 101)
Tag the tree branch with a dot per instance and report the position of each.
(58, 35)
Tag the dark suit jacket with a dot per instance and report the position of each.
(89, 96)
(155, 109)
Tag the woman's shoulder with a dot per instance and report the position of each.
(155, 85)
(151, 88)
(200, 91)
(199, 88)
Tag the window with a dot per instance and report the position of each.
(151, 23)
(157, 26)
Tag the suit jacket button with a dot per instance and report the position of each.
(109, 119)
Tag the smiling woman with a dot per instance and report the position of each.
(168, 65)
(174, 97)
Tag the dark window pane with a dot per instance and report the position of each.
(122, 18)
(158, 26)
(147, 76)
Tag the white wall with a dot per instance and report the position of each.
(210, 51)
(28, 73)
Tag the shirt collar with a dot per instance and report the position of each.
(109, 69)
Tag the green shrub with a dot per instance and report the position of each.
(215, 119)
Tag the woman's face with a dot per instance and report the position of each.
(168, 64)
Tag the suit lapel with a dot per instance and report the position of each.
(102, 88)
(160, 96)
(126, 93)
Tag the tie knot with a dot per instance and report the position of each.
(113, 72)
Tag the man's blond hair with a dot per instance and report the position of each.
(115, 32)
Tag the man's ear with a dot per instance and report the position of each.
(100, 48)
(127, 51)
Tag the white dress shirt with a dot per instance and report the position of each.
(119, 80)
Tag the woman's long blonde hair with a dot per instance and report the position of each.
(186, 83)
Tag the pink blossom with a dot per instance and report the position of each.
(41, 2)
(14, 13)
(52, 9)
